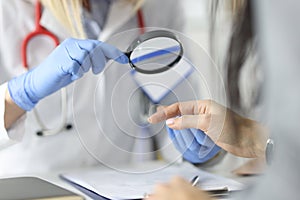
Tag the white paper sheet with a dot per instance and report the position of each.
(113, 184)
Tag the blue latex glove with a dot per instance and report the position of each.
(68, 62)
(194, 144)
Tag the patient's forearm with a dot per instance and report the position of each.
(243, 137)
(12, 111)
(262, 135)
(255, 136)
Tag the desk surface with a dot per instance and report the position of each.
(54, 178)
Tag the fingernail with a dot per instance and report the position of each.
(149, 120)
(170, 121)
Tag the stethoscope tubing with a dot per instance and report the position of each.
(46, 131)
(41, 31)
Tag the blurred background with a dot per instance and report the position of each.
(197, 21)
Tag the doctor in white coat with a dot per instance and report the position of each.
(105, 111)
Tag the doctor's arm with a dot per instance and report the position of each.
(230, 131)
(12, 112)
(67, 63)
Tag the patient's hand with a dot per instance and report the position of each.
(234, 133)
(177, 188)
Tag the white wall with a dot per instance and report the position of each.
(197, 20)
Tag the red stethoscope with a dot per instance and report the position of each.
(42, 31)
(39, 31)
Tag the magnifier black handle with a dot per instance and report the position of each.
(128, 53)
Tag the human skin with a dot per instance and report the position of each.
(177, 189)
(12, 112)
(236, 134)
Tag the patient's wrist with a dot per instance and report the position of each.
(255, 136)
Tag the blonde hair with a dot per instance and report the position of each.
(136, 4)
(69, 13)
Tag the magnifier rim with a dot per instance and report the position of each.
(150, 35)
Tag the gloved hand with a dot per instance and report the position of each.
(68, 62)
(194, 144)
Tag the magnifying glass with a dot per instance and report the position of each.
(154, 52)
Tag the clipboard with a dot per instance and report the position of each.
(104, 183)
(158, 86)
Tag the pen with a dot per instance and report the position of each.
(146, 195)
(195, 180)
(213, 193)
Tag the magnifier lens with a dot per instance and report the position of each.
(156, 55)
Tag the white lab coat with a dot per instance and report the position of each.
(105, 110)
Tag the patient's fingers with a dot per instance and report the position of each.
(201, 122)
(178, 109)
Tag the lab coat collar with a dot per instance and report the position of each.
(120, 12)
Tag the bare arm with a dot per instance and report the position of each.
(12, 112)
